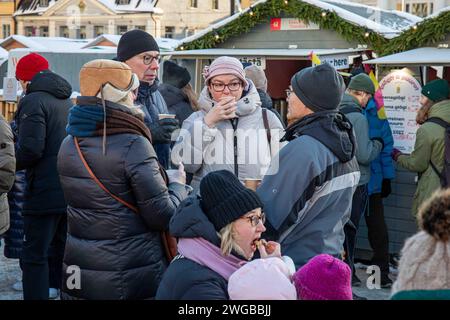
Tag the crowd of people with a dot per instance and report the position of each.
(154, 193)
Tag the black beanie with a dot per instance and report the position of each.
(224, 199)
(134, 42)
(175, 75)
(320, 88)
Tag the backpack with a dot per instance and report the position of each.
(444, 175)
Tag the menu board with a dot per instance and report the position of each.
(401, 94)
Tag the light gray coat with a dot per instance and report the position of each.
(7, 171)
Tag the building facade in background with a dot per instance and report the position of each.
(421, 8)
(91, 18)
(6, 18)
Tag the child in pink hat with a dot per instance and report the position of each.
(324, 278)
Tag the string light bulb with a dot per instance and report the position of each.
(414, 27)
(251, 13)
(367, 34)
(324, 14)
(286, 2)
(216, 36)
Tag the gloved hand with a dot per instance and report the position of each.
(162, 130)
(386, 188)
(395, 154)
(379, 140)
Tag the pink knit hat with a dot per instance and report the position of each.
(262, 279)
(324, 278)
(225, 65)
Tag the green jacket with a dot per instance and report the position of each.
(422, 295)
(429, 146)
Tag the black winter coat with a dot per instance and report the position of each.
(118, 251)
(177, 101)
(41, 121)
(14, 236)
(186, 279)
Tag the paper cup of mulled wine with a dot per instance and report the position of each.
(252, 183)
(166, 116)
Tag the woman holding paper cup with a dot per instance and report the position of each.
(229, 131)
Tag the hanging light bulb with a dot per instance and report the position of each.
(251, 13)
(324, 14)
(367, 34)
(286, 2)
(216, 36)
(415, 27)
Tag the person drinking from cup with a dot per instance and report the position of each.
(230, 131)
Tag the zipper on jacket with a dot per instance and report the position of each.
(234, 123)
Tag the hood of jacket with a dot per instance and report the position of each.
(331, 128)
(172, 95)
(47, 81)
(189, 221)
(248, 104)
(350, 103)
(441, 110)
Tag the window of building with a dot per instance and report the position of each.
(419, 9)
(193, 4)
(140, 28)
(99, 30)
(431, 7)
(82, 34)
(43, 31)
(64, 31)
(215, 4)
(43, 3)
(29, 31)
(122, 29)
(190, 32)
(169, 32)
(407, 8)
(124, 2)
(6, 30)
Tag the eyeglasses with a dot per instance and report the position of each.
(288, 92)
(254, 220)
(148, 60)
(219, 87)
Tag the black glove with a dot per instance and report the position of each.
(386, 188)
(162, 130)
(380, 140)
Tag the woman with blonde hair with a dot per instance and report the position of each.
(218, 233)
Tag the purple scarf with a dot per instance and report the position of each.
(205, 253)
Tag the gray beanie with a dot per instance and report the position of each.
(320, 88)
(257, 75)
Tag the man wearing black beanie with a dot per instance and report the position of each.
(307, 193)
(140, 51)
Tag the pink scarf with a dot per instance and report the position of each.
(205, 253)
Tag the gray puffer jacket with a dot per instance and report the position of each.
(119, 252)
(366, 149)
(7, 171)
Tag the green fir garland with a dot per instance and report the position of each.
(426, 33)
(304, 11)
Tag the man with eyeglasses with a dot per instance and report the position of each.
(140, 52)
(308, 200)
(360, 90)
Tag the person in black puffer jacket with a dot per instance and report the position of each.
(41, 122)
(177, 91)
(118, 251)
(217, 235)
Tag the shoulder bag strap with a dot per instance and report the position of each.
(266, 126)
